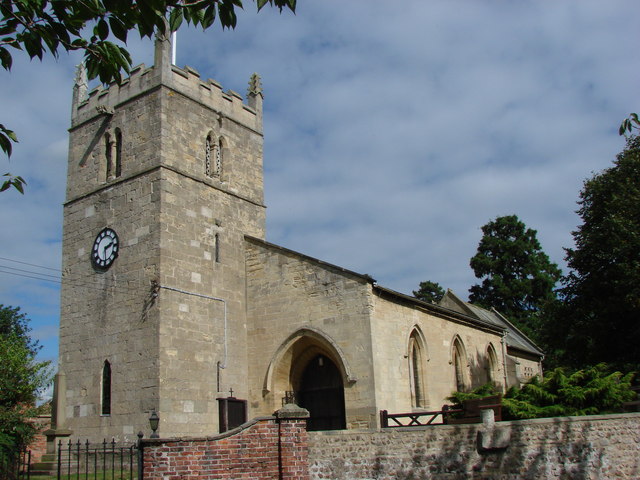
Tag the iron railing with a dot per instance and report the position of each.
(98, 461)
(15, 465)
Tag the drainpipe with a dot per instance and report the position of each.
(223, 365)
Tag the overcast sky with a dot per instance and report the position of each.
(393, 131)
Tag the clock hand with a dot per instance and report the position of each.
(104, 250)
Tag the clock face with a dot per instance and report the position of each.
(105, 249)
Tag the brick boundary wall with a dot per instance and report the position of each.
(593, 447)
(265, 448)
(38, 445)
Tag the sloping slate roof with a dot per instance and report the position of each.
(514, 337)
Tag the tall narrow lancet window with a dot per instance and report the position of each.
(108, 153)
(208, 147)
(459, 365)
(106, 388)
(492, 365)
(416, 370)
(118, 165)
(217, 158)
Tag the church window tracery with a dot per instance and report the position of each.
(207, 156)
(213, 152)
(106, 389)
(217, 157)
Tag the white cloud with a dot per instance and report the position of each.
(391, 134)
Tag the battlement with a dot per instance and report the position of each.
(186, 81)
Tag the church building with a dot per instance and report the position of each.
(174, 302)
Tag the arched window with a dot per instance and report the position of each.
(108, 152)
(118, 166)
(492, 365)
(208, 147)
(106, 388)
(459, 364)
(417, 355)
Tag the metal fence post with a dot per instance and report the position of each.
(140, 457)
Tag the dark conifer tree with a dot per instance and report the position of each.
(518, 279)
(429, 291)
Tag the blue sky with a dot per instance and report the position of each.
(391, 134)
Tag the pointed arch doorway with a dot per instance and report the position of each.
(321, 391)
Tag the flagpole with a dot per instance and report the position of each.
(174, 37)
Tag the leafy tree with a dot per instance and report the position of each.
(599, 318)
(15, 323)
(429, 292)
(591, 391)
(518, 279)
(629, 124)
(21, 379)
(39, 27)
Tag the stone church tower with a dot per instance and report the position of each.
(164, 181)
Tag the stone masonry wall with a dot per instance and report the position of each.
(596, 447)
(392, 324)
(263, 449)
(297, 307)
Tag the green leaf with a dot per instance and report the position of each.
(623, 127)
(5, 58)
(209, 16)
(33, 46)
(15, 182)
(10, 134)
(18, 183)
(102, 29)
(118, 29)
(227, 15)
(175, 19)
(5, 144)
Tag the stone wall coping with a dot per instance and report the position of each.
(364, 278)
(291, 412)
(508, 423)
(228, 433)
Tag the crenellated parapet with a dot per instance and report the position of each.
(185, 81)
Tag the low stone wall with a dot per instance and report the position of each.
(595, 447)
(266, 448)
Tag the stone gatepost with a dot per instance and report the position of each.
(293, 442)
(58, 414)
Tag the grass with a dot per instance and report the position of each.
(101, 475)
